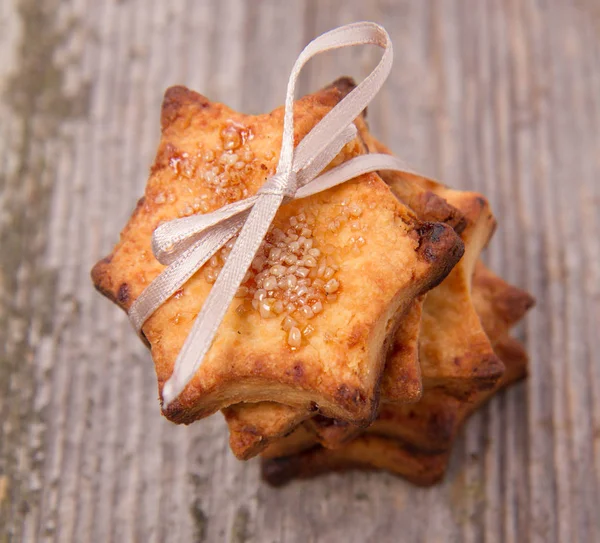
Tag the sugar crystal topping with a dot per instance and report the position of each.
(291, 278)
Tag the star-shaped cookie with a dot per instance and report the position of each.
(331, 280)
(253, 427)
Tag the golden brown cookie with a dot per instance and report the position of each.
(367, 452)
(253, 427)
(365, 258)
(457, 355)
(498, 304)
(296, 457)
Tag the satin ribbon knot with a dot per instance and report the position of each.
(281, 185)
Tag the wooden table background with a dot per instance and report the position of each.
(498, 96)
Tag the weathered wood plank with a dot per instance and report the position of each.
(498, 96)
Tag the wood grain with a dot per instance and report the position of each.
(499, 96)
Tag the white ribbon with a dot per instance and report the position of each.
(186, 244)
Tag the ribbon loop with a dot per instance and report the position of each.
(185, 245)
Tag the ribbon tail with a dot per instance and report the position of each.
(221, 295)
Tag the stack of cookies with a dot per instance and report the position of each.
(367, 328)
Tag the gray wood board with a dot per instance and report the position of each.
(501, 97)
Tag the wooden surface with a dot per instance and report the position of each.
(497, 96)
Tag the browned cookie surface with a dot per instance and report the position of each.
(374, 257)
(377, 449)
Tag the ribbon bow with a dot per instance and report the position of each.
(185, 245)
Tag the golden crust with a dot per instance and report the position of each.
(375, 450)
(498, 304)
(340, 365)
(456, 355)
